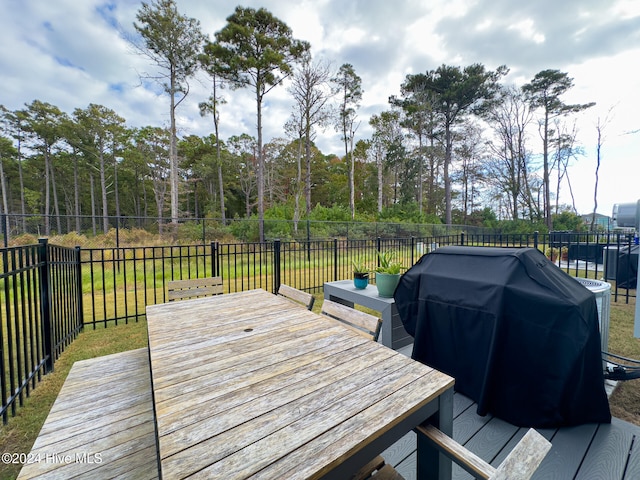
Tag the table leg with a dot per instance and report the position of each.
(431, 464)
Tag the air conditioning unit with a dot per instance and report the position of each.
(602, 291)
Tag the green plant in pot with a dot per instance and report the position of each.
(360, 274)
(388, 274)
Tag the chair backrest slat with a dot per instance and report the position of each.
(295, 295)
(194, 287)
(364, 323)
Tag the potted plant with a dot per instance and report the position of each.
(360, 274)
(387, 274)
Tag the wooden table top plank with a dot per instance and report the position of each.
(254, 346)
(223, 414)
(238, 342)
(320, 421)
(253, 398)
(229, 389)
(200, 454)
(112, 419)
(168, 332)
(198, 311)
(180, 367)
(265, 321)
(317, 457)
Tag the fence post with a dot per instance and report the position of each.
(215, 264)
(413, 249)
(45, 304)
(79, 286)
(462, 238)
(335, 259)
(535, 239)
(308, 240)
(276, 265)
(5, 229)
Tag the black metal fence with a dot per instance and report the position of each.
(120, 282)
(40, 313)
(47, 292)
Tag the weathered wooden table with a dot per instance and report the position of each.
(248, 385)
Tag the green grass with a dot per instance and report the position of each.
(625, 401)
(18, 436)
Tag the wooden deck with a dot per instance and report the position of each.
(592, 451)
(101, 425)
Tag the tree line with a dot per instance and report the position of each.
(454, 147)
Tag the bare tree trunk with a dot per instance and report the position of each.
(260, 170)
(47, 194)
(380, 178)
(447, 180)
(352, 183)
(420, 174)
(307, 177)
(545, 175)
(56, 205)
(76, 193)
(5, 200)
(173, 155)
(103, 189)
(298, 191)
(23, 208)
(93, 207)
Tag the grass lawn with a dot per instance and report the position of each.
(625, 401)
(18, 436)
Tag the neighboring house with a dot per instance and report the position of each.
(603, 222)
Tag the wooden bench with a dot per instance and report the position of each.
(101, 425)
(193, 288)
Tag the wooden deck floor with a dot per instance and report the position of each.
(592, 451)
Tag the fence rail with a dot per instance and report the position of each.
(47, 293)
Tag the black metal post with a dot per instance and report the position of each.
(335, 259)
(215, 264)
(79, 286)
(5, 229)
(45, 304)
(308, 240)
(276, 265)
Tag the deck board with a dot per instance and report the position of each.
(101, 425)
(607, 451)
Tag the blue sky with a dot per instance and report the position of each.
(72, 53)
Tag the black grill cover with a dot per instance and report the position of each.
(518, 334)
